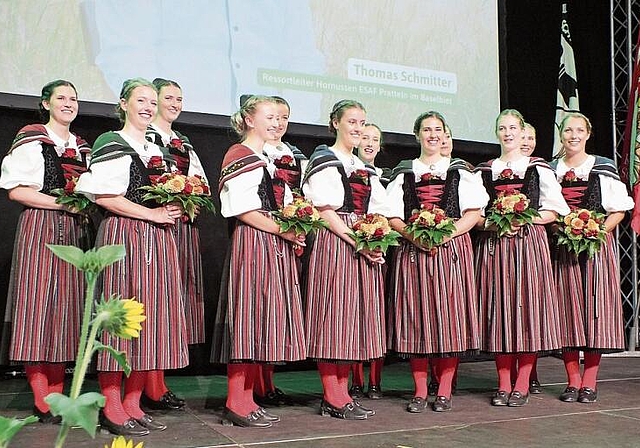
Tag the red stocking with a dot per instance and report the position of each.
(37, 379)
(154, 386)
(375, 373)
(133, 386)
(236, 379)
(419, 368)
(534, 370)
(503, 366)
(267, 377)
(514, 371)
(572, 366)
(343, 381)
(525, 364)
(357, 370)
(252, 373)
(446, 369)
(259, 386)
(330, 385)
(591, 366)
(55, 374)
(110, 387)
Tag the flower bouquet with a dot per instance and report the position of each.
(190, 192)
(510, 206)
(582, 231)
(301, 216)
(68, 197)
(373, 232)
(430, 226)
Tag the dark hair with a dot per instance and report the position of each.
(338, 111)
(248, 109)
(159, 83)
(373, 125)
(47, 92)
(127, 88)
(425, 115)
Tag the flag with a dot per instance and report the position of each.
(567, 96)
(630, 160)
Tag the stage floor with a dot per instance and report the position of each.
(545, 422)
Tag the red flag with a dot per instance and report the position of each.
(630, 163)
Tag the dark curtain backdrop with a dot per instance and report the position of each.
(530, 54)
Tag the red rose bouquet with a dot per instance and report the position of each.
(570, 176)
(286, 161)
(507, 173)
(190, 192)
(582, 231)
(177, 144)
(301, 216)
(510, 206)
(361, 175)
(430, 226)
(69, 153)
(156, 163)
(373, 232)
(68, 197)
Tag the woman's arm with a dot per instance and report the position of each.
(122, 206)
(30, 197)
(612, 221)
(337, 226)
(266, 224)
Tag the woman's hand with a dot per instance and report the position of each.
(164, 215)
(291, 236)
(374, 256)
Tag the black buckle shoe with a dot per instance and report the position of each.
(349, 411)
(500, 398)
(267, 415)
(517, 399)
(167, 402)
(535, 387)
(374, 392)
(150, 423)
(253, 420)
(417, 405)
(570, 395)
(442, 404)
(432, 388)
(587, 395)
(128, 428)
(356, 392)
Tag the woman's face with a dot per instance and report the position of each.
(169, 103)
(575, 135)
(509, 132)
(349, 127)
(447, 145)
(141, 107)
(264, 122)
(63, 105)
(369, 146)
(283, 114)
(528, 142)
(430, 136)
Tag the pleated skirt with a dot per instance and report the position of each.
(432, 300)
(590, 299)
(519, 309)
(345, 317)
(46, 294)
(150, 272)
(188, 241)
(259, 316)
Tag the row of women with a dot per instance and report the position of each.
(512, 296)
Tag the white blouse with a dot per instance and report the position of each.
(614, 195)
(471, 191)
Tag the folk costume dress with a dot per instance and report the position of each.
(345, 299)
(518, 303)
(432, 299)
(187, 234)
(290, 163)
(46, 294)
(150, 271)
(259, 316)
(589, 288)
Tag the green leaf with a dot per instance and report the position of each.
(83, 411)
(70, 254)
(9, 427)
(120, 357)
(110, 254)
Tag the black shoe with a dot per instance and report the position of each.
(517, 399)
(535, 387)
(150, 423)
(273, 398)
(267, 415)
(347, 412)
(253, 420)
(432, 388)
(587, 395)
(417, 405)
(128, 428)
(167, 402)
(374, 392)
(47, 417)
(442, 404)
(570, 395)
(356, 392)
(367, 411)
(500, 398)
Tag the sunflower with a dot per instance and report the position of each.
(121, 442)
(121, 317)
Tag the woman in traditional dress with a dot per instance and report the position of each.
(45, 293)
(345, 304)
(259, 318)
(518, 307)
(187, 234)
(121, 163)
(589, 288)
(432, 294)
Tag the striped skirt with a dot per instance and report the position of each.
(518, 302)
(259, 316)
(46, 294)
(345, 302)
(150, 273)
(590, 299)
(432, 300)
(187, 237)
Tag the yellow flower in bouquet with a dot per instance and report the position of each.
(511, 206)
(581, 231)
(430, 226)
(300, 215)
(373, 232)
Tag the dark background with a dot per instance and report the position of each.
(529, 54)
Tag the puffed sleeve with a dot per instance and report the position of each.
(110, 177)
(471, 191)
(614, 195)
(551, 198)
(325, 188)
(195, 166)
(378, 199)
(240, 194)
(24, 166)
(395, 198)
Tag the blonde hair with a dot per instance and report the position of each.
(248, 109)
(510, 112)
(127, 89)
